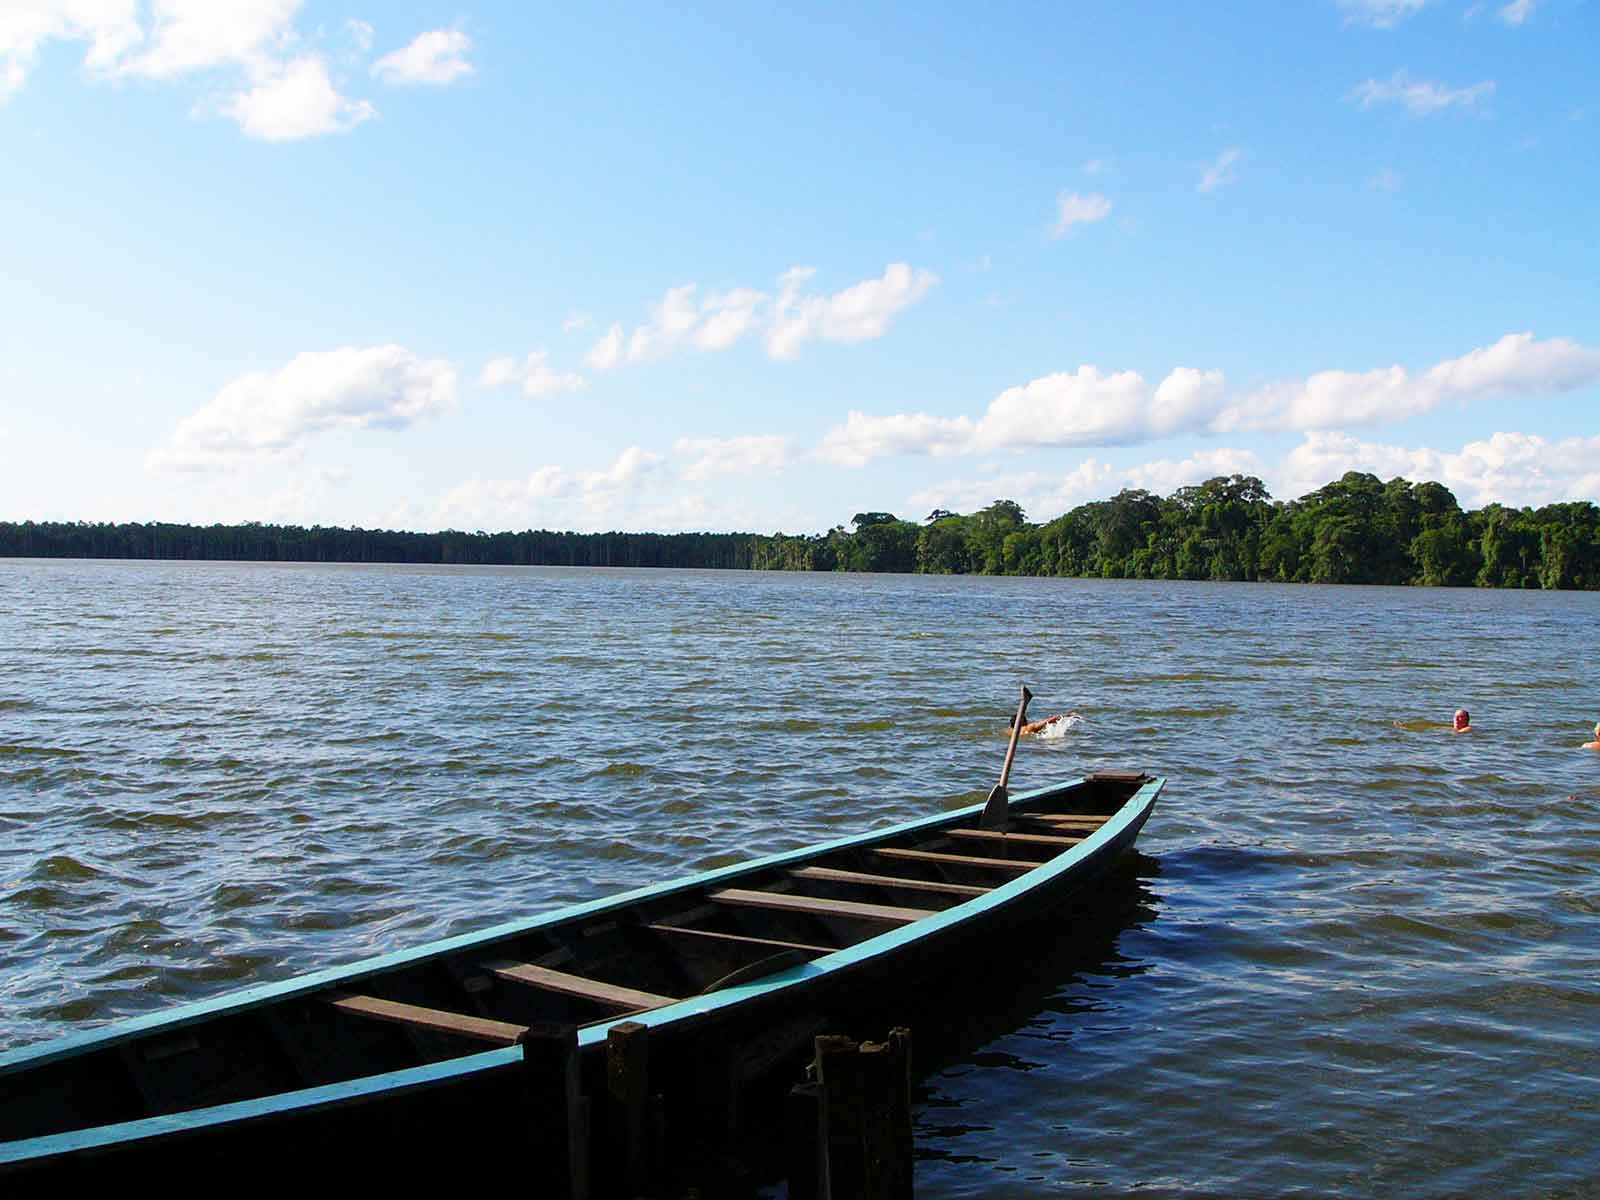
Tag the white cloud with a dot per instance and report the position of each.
(1186, 399)
(1069, 408)
(361, 33)
(111, 27)
(1165, 476)
(1419, 97)
(728, 317)
(273, 87)
(1516, 364)
(857, 314)
(791, 319)
(607, 352)
(1073, 209)
(1044, 495)
(1510, 468)
(1082, 408)
(296, 100)
(631, 466)
(863, 438)
(265, 414)
(534, 375)
(554, 497)
(197, 35)
(1086, 407)
(436, 57)
(1330, 400)
(1220, 172)
(1379, 14)
(576, 322)
(1518, 11)
(1386, 180)
(671, 320)
(1089, 407)
(732, 456)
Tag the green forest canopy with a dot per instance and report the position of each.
(1357, 529)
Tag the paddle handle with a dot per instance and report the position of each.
(1016, 735)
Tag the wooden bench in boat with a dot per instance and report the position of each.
(436, 1019)
(1063, 820)
(940, 858)
(740, 938)
(744, 939)
(888, 881)
(1020, 839)
(789, 902)
(550, 980)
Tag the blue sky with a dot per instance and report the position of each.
(492, 266)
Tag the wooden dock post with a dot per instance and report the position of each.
(865, 1118)
(802, 1125)
(632, 1120)
(553, 1095)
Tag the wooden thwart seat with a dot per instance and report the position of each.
(740, 938)
(891, 881)
(1065, 820)
(789, 902)
(435, 1019)
(940, 858)
(1022, 839)
(609, 994)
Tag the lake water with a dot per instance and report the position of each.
(1349, 956)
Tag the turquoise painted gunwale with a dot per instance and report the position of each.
(432, 1074)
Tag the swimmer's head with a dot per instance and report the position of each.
(1463, 718)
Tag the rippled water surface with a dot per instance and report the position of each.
(1350, 955)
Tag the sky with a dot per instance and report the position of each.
(491, 266)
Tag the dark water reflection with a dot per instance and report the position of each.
(1353, 956)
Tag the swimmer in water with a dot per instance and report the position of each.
(1462, 722)
(1041, 726)
(1594, 745)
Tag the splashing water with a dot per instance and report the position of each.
(1059, 728)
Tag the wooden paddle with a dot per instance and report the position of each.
(995, 808)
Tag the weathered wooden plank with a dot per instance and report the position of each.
(550, 980)
(741, 938)
(789, 902)
(940, 858)
(436, 1019)
(1065, 820)
(1000, 836)
(896, 881)
(632, 1148)
(557, 1126)
(866, 1116)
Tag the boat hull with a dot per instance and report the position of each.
(706, 1052)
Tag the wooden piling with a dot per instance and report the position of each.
(865, 1117)
(632, 1119)
(802, 1123)
(557, 1121)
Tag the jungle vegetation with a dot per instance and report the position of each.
(1357, 529)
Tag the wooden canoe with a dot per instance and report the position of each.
(730, 972)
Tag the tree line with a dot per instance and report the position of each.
(1357, 529)
(254, 542)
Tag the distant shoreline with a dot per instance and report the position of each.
(1357, 529)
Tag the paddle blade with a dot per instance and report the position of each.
(995, 808)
